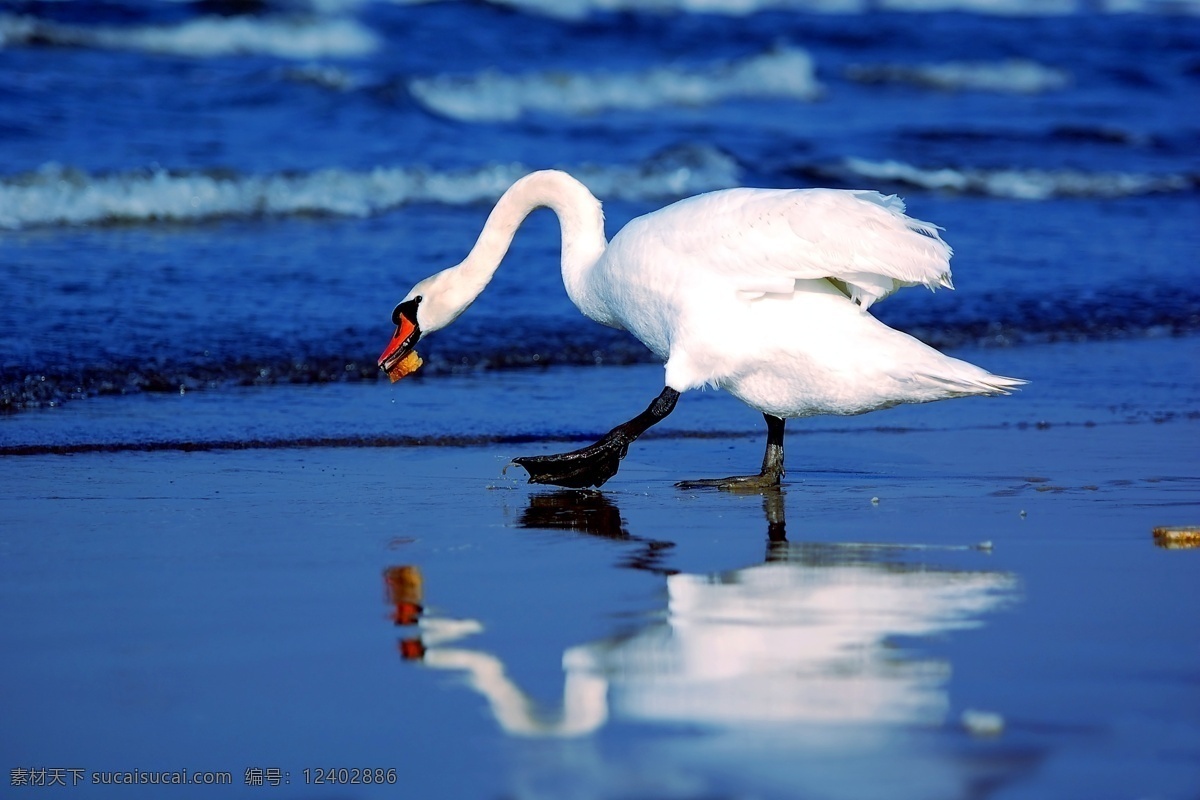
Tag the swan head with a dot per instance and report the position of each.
(400, 357)
(431, 305)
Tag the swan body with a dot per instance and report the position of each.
(762, 292)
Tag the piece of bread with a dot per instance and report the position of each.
(404, 366)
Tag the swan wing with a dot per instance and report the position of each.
(763, 240)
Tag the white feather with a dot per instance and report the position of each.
(762, 292)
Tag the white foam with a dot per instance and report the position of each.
(1019, 76)
(56, 195)
(1021, 8)
(15, 30)
(1033, 8)
(579, 9)
(293, 37)
(1022, 184)
(323, 75)
(492, 95)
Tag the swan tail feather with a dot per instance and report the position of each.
(985, 384)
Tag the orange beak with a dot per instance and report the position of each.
(399, 358)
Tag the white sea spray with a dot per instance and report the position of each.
(58, 195)
(580, 9)
(1015, 76)
(1019, 183)
(785, 72)
(281, 36)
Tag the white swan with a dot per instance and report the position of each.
(762, 292)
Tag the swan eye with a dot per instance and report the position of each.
(406, 309)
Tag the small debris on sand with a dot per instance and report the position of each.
(1177, 537)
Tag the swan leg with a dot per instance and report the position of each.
(596, 463)
(772, 466)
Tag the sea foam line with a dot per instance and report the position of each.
(495, 96)
(580, 9)
(56, 195)
(291, 37)
(1021, 184)
(1017, 76)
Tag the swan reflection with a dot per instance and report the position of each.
(808, 636)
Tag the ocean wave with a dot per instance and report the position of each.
(580, 9)
(323, 75)
(1023, 8)
(496, 96)
(290, 37)
(1072, 133)
(1020, 184)
(57, 195)
(1018, 76)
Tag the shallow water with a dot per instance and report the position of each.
(226, 611)
(1109, 384)
(953, 600)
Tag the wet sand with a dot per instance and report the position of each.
(958, 600)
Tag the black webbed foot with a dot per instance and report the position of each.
(768, 477)
(595, 464)
(735, 483)
(589, 466)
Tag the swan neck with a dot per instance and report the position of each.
(580, 218)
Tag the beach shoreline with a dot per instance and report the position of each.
(237, 598)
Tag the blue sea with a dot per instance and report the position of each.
(210, 195)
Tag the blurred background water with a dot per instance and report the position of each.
(213, 194)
